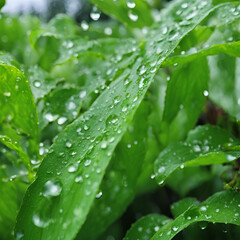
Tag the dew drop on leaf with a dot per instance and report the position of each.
(52, 188)
(132, 16)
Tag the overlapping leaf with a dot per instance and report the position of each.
(222, 207)
(204, 146)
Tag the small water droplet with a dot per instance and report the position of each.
(104, 145)
(99, 194)
(87, 162)
(82, 94)
(84, 25)
(61, 120)
(36, 84)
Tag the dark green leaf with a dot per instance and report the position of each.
(146, 227)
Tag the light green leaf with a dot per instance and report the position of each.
(204, 146)
(146, 227)
(222, 207)
(16, 103)
(133, 13)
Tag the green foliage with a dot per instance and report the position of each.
(98, 116)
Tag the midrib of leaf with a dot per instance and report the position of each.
(75, 199)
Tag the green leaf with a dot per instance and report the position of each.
(11, 197)
(146, 227)
(13, 36)
(224, 89)
(57, 203)
(17, 105)
(15, 145)
(40, 81)
(204, 146)
(187, 179)
(2, 3)
(133, 13)
(183, 205)
(222, 207)
(117, 189)
(186, 104)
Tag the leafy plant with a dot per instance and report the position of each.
(97, 118)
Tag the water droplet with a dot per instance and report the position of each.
(85, 127)
(95, 14)
(82, 94)
(161, 169)
(99, 194)
(84, 25)
(36, 84)
(230, 157)
(79, 179)
(132, 16)
(72, 168)
(40, 222)
(68, 144)
(203, 208)
(52, 189)
(61, 120)
(184, 5)
(196, 148)
(87, 162)
(131, 3)
(7, 94)
(104, 145)
(175, 229)
(124, 109)
(142, 70)
(205, 93)
(156, 228)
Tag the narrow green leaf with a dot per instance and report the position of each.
(146, 227)
(222, 207)
(204, 146)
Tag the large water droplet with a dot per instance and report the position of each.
(40, 222)
(95, 14)
(131, 3)
(132, 16)
(52, 188)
